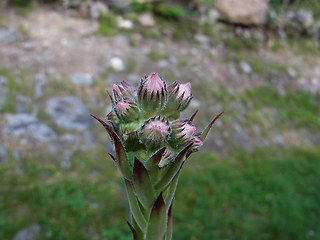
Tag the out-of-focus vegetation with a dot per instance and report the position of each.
(269, 194)
(312, 5)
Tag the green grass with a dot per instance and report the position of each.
(311, 5)
(258, 64)
(155, 55)
(107, 25)
(17, 83)
(269, 194)
(265, 195)
(239, 44)
(297, 109)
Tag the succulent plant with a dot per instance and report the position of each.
(151, 145)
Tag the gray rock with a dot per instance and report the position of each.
(72, 3)
(39, 80)
(163, 63)
(81, 79)
(3, 154)
(119, 5)
(3, 90)
(124, 23)
(245, 67)
(21, 103)
(28, 233)
(146, 20)
(25, 126)
(117, 64)
(304, 17)
(28, 46)
(8, 35)
(69, 112)
(173, 60)
(203, 40)
(299, 22)
(97, 9)
(247, 12)
(213, 16)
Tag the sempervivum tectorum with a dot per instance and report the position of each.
(155, 130)
(152, 93)
(151, 145)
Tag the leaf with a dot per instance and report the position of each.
(153, 161)
(172, 188)
(173, 169)
(121, 155)
(134, 206)
(103, 123)
(157, 221)
(169, 224)
(142, 184)
(135, 237)
(139, 232)
(193, 116)
(207, 129)
(112, 157)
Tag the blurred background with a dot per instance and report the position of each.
(256, 177)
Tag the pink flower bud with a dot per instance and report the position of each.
(152, 93)
(182, 132)
(184, 90)
(179, 96)
(111, 116)
(122, 90)
(155, 130)
(126, 109)
(196, 144)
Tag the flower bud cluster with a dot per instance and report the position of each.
(146, 117)
(151, 145)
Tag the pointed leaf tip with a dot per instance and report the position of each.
(121, 155)
(112, 157)
(103, 123)
(158, 205)
(135, 237)
(193, 116)
(134, 206)
(158, 220)
(174, 168)
(138, 170)
(142, 184)
(207, 129)
(154, 160)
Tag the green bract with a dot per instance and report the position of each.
(151, 145)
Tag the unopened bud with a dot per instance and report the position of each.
(111, 116)
(122, 90)
(196, 144)
(182, 132)
(179, 96)
(155, 130)
(126, 109)
(152, 93)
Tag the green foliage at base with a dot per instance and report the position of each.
(269, 194)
